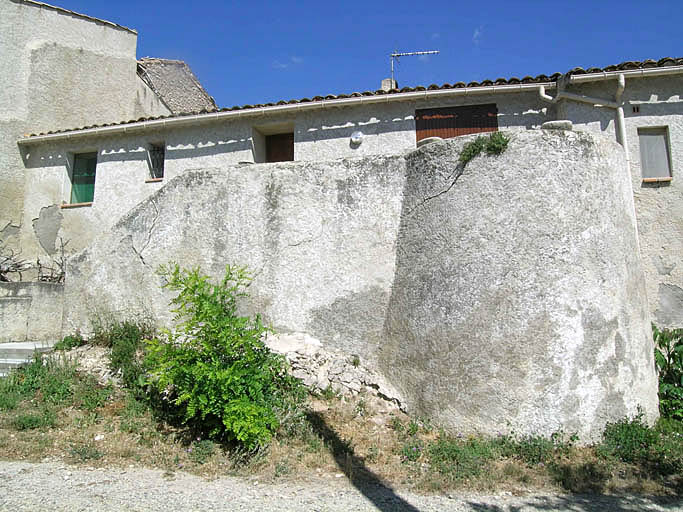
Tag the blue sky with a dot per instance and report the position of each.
(256, 52)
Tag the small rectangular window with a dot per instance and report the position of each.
(157, 153)
(280, 147)
(83, 178)
(655, 158)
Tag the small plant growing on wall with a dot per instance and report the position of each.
(494, 144)
(215, 366)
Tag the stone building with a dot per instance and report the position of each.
(561, 254)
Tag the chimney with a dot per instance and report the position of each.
(389, 84)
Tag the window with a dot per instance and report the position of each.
(655, 158)
(157, 153)
(450, 122)
(83, 178)
(273, 142)
(280, 147)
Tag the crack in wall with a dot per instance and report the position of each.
(151, 229)
(459, 171)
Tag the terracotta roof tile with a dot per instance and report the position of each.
(624, 66)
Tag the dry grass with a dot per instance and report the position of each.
(357, 437)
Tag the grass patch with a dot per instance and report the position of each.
(45, 419)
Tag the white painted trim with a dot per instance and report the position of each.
(171, 122)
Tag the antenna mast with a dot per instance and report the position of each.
(396, 55)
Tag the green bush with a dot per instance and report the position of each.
(629, 440)
(215, 366)
(669, 359)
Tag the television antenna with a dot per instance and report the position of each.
(396, 55)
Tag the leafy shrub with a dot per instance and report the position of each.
(215, 366)
(669, 359)
(628, 440)
(70, 341)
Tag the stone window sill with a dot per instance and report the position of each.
(656, 180)
(154, 180)
(74, 205)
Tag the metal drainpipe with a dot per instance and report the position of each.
(617, 105)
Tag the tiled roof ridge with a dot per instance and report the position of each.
(624, 66)
(74, 13)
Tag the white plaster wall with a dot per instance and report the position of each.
(59, 71)
(659, 207)
(147, 103)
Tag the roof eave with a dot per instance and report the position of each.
(172, 122)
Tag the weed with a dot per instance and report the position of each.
(125, 339)
(355, 361)
(361, 408)
(282, 468)
(29, 421)
(9, 397)
(85, 452)
(89, 395)
(461, 459)
(70, 341)
(411, 450)
(397, 425)
(628, 440)
(329, 393)
(200, 451)
(372, 454)
(535, 449)
(413, 428)
(497, 143)
(581, 477)
(494, 144)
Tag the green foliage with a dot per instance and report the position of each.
(47, 418)
(472, 149)
(411, 450)
(70, 341)
(85, 452)
(126, 342)
(89, 395)
(215, 366)
(494, 144)
(54, 376)
(497, 143)
(460, 459)
(200, 451)
(629, 440)
(669, 359)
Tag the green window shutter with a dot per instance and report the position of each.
(83, 178)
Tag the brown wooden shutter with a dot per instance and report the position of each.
(280, 147)
(450, 122)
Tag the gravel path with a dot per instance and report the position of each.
(57, 487)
